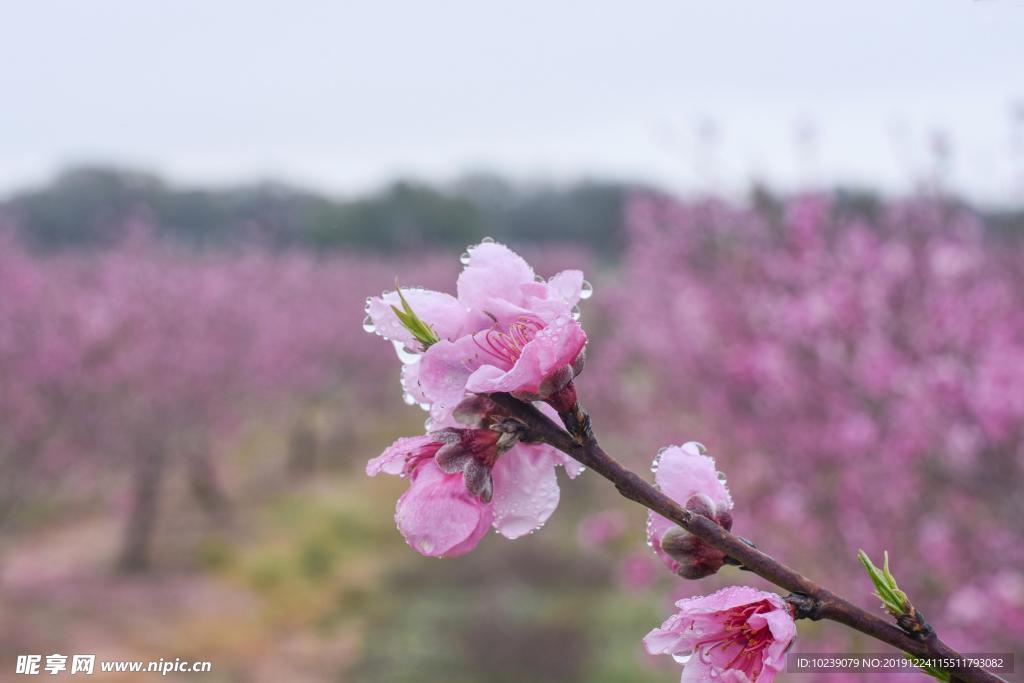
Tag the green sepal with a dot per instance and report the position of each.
(893, 599)
(421, 331)
(895, 603)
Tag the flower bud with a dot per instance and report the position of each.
(688, 475)
(694, 558)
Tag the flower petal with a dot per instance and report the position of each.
(683, 473)
(441, 311)
(394, 457)
(553, 348)
(437, 516)
(566, 286)
(525, 490)
(494, 272)
(444, 370)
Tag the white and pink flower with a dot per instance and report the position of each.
(504, 332)
(736, 635)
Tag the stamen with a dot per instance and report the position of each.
(508, 345)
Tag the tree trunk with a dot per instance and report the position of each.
(302, 450)
(204, 482)
(142, 515)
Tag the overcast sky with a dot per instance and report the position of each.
(344, 95)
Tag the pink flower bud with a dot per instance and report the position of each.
(687, 475)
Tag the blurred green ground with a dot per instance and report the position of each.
(307, 579)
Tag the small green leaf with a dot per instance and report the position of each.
(421, 331)
(895, 603)
(893, 599)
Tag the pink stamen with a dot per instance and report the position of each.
(508, 345)
(751, 642)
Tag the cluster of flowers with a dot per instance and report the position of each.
(109, 355)
(505, 331)
(882, 349)
(475, 467)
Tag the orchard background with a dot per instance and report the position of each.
(188, 400)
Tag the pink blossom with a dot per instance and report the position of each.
(832, 344)
(436, 515)
(687, 475)
(637, 572)
(598, 529)
(506, 331)
(738, 634)
(468, 478)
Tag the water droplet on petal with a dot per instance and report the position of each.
(682, 658)
(657, 459)
(426, 545)
(721, 476)
(405, 355)
(464, 259)
(487, 240)
(369, 302)
(538, 278)
(368, 325)
(586, 290)
(695, 447)
(575, 313)
(408, 398)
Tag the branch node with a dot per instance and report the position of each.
(805, 606)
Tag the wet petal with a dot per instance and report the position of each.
(445, 369)
(567, 286)
(494, 272)
(553, 348)
(525, 490)
(441, 311)
(437, 516)
(683, 474)
(394, 457)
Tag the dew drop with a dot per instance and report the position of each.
(426, 545)
(575, 313)
(586, 290)
(464, 259)
(405, 355)
(368, 325)
(369, 302)
(538, 278)
(487, 240)
(408, 398)
(721, 476)
(657, 459)
(695, 447)
(682, 658)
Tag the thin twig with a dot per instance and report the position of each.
(817, 602)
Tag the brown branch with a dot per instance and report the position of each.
(812, 600)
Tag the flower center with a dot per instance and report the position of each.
(742, 643)
(507, 345)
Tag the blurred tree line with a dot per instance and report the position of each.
(95, 206)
